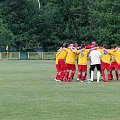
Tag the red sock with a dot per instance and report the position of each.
(103, 75)
(83, 78)
(66, 76)
(62, 75)
(72, 75)
(79, 75)
(57, 76)
(109, 77)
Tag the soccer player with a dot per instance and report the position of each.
(116, 54)
(113, 63)
(106, 56)
(57, 78)
(70, 63)
(95, 61)
(60, 62)
(91, 45)
(82, 63)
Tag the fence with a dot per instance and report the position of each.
(27, 55)
(10, 55)
(41, 55)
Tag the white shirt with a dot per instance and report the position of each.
(95, 57)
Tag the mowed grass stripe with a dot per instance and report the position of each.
(28, 92)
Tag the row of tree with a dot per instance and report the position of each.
(26, 27)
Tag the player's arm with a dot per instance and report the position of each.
(88, 47)
(79, 51)
(57, 54)
(108, 51)
(73, 49)
(60, 49)
(88, 52)
(116, 49)
(94, 48)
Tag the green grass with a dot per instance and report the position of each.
(28, 92)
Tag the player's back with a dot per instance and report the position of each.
(63, 54)
(95, 57)
(71, 56)
(106, 56)
(117, 56)
(82, 57)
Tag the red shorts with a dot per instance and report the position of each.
(105, 66)
(71, 67)
(114, 65)
(58, 68)
(82, 68)
(62, 64)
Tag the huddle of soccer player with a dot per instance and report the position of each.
(99, 57)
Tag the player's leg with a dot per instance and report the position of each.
(117, 77)
(109, 76)
(98, 72)
(103, 75)
(119, 73)
(84, 71)
(73, 69)
(116, 67)
(71, 76)
(92, 72)
(118, 70)
(112, 68)
(79, 75)
(79, 72)
(63, 68)
(65, 78)
(108, 68)
(102, 69)
(83, 76)
(57, 78)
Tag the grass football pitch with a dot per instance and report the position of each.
(28, 92)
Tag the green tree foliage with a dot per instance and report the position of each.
(76, 21)
(66, 21)
(6, 37)
(59, 21)
(105, 20)
(23, 20)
